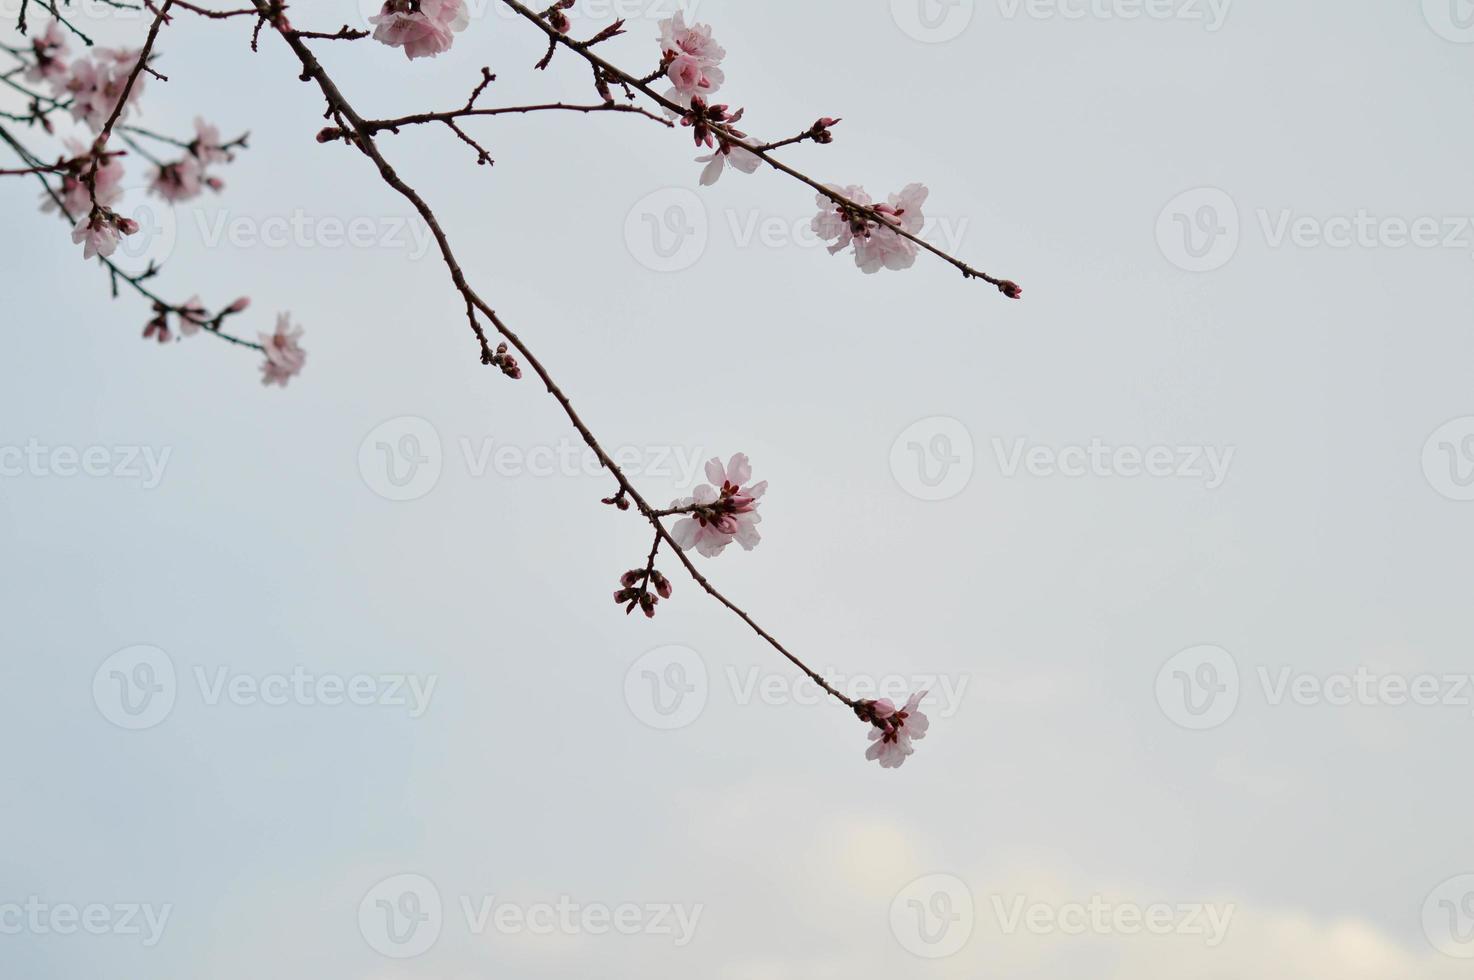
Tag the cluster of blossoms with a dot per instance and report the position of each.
(91, 88)
(634, 590)
(95, 84)
(423, 28)
(692, 59)
(877, 246)
(892, 729)
(75, 194)
(191, 319)
(186, 177)
(723, 511)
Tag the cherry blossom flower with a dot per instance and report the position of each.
(876, 245)
(177, 181)
(284, 356)
(100, 230)
(96, 85)
(893, 730)
(722, 512)
(49, 50)
(424, 28)
(725, 156)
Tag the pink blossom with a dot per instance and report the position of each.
(75, 196)
(99, 232)
(892, 731)
(192, 317)
(49, 50)
(158, 328)
(284, 356)
(424, 28)
(691, 76)
(722, 512)
(96, 85)
(206, 147)
(876, 245)
(696, 40)
(727, 155)
(177, 181)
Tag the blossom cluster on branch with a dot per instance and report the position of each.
(101, 91)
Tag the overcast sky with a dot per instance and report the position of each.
(1180, 543)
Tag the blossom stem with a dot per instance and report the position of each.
(759, 150)
(114, 271)
(339, 106)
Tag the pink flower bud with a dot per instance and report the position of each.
(239, 306)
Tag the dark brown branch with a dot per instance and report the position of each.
(1007, 287)
(364, 140)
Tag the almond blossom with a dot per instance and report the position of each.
(695, 40)
(206, 146)
(76, 196)
(284, 356)
(96, 85)
(691, 76)
(177, 181)
(48, 50)
(424, 28)
(693, 59)
(876, 245)
(100, 231)
(893, 730)
(192, 317)
(727, 155)
(722, 512)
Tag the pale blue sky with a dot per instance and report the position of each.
(1069, 153)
